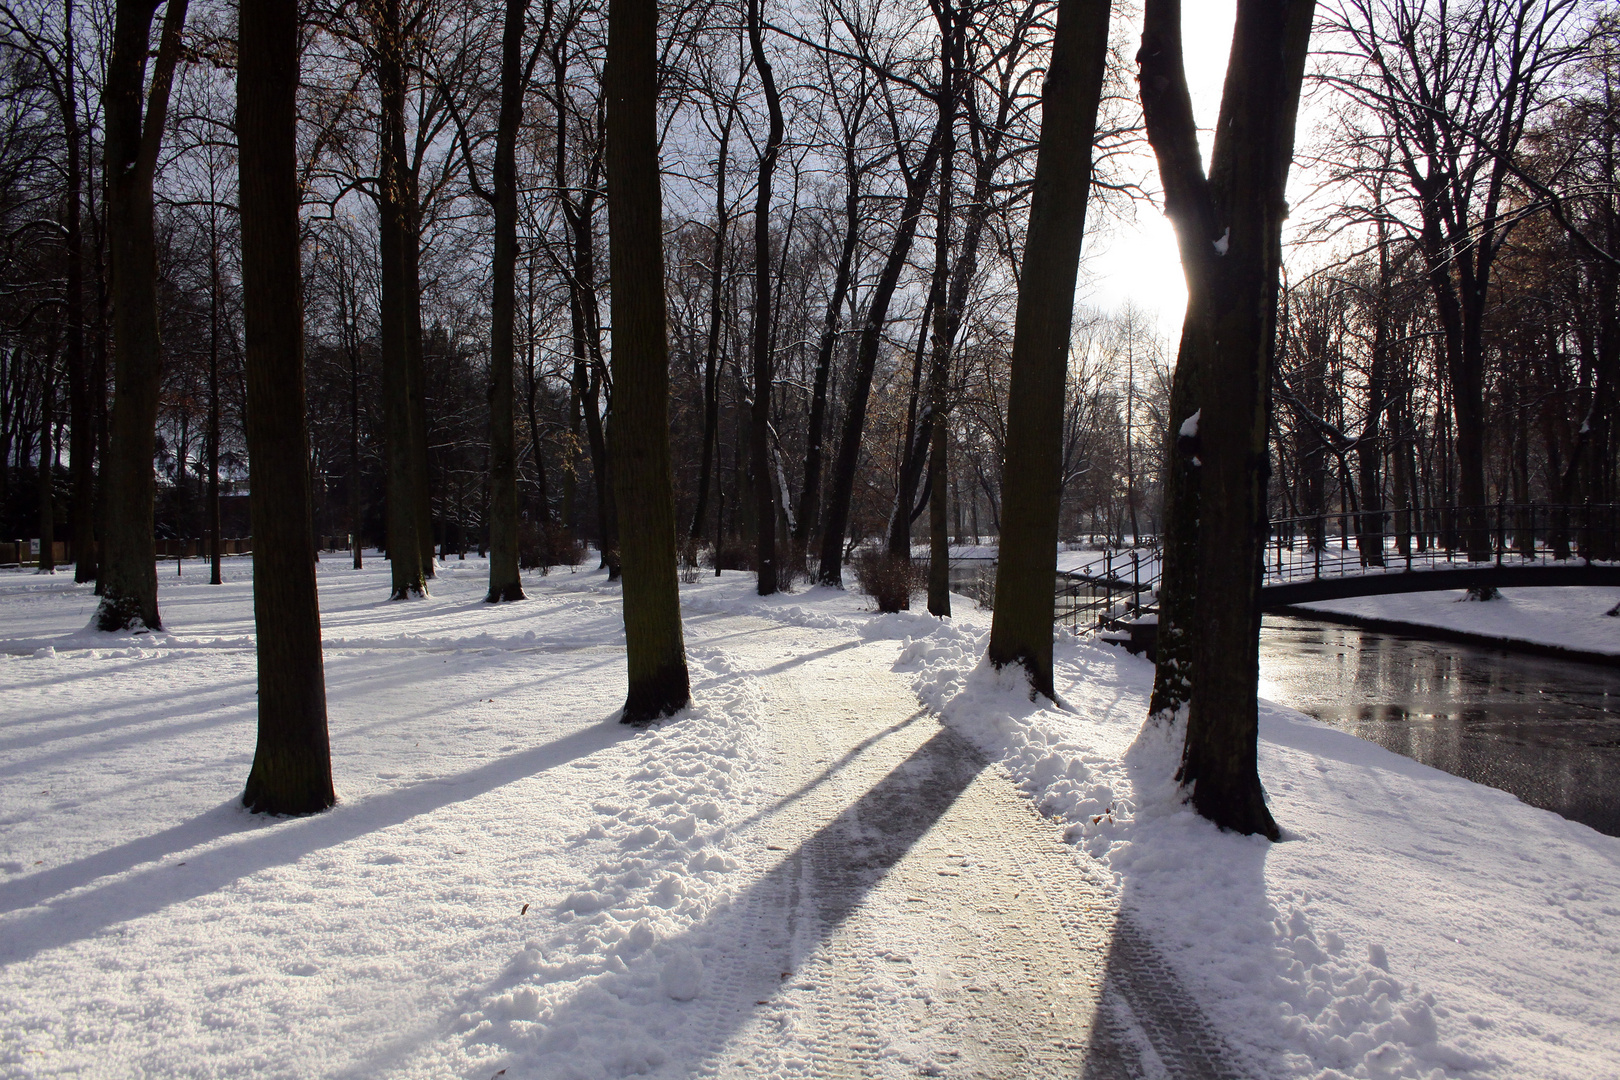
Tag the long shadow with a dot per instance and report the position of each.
(798, 661)
(268, 843)
(802, 900)
(228, 694)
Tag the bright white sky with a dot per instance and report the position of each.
(1137, 261)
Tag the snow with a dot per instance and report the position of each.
(513, 880)
(1189, 426)
(1411, 924)
(1565, 618)
(1224, 244)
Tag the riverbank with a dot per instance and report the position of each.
(1564, 623)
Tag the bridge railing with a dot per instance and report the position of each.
(1420, 538)
(1112, 587)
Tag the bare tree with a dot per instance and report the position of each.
(1021, 631)
(292, 763)
(128, 578)
(1229, 229)
(656, 653)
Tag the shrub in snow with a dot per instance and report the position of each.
(891, 580)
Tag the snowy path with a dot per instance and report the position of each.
(917, 916)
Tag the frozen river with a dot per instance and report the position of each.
(1546, 730)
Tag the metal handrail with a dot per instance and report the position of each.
(1396, 540)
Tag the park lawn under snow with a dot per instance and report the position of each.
(512, 880)
(1565, 618)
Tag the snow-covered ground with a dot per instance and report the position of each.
(512, 880)
(1565, 618)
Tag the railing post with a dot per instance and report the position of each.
(1501, 527)
(1317, 550)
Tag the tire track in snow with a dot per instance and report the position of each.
(918, 917)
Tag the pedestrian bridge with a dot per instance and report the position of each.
(1332, 557)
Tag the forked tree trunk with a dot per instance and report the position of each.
(836, 516)
(128, 579)
(1229, 227)
(292, 763)
(1021, 629)
(655, 651)
(810, 497)
(759, 439)
(505, 583)
(711, 351)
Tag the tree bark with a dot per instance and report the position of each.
(128, 580)
(1229, 227)
(939, 545)
(505, 582)
(655, 651)
(405, 543)
(1021, 629)
(82, 440)
(292, 764)
(764, 365)
(47, 485)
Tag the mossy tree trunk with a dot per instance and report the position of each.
(1021, 630)
(1229, 227)
(292, 764)
(656, 653)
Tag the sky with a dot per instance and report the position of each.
(1136, 261)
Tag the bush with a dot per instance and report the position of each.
(891, 580)
(690, 561)
(540, 547)
(732, 555)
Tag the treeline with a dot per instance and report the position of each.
(1463, 354)
(1459, 349)
(893, 224)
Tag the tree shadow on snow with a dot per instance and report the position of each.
(776, 924)
(65, 916)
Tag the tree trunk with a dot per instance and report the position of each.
(711, 352)
(505, 583)
(836, 518)
(215, 576)
(810, 497)
(128, 580)
(416, 377)
(1229, 228)
(655, 652)
(47, 494)
(403, 524)
(1021, 629)
(939, 545)
(764, 366)
(82, 440)
(292, 763)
